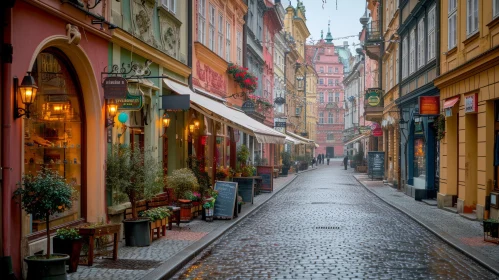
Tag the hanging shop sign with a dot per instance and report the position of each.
(175, 102)
(429, 105)
(130, 103)
(248, 106)
(376, 129)
(373, 97)
(115, 87)
(471, 103)
(279, 100)
(280, 124)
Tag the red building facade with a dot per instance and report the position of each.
(330, 97)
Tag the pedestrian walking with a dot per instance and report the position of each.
(345, 162)
(327, 156)
(313, 161)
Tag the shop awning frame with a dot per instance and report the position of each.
(450, 102)
(305, 141)
(233, 117)
(356, 139)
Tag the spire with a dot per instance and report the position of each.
(329, 37)
(322, 34)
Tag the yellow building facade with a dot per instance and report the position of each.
(469, 96)
(389, 123)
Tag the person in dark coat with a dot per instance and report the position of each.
(327, 157)
(345, 162)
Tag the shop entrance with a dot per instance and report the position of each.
(330, 152)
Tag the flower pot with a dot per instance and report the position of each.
(71, 247)
(47, 269)
(285, 171)
(209, 214)
(137, 232)
(185, 210)
(238, 175)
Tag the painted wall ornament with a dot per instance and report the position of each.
(73, 33)
(170, 34)
(142, 13)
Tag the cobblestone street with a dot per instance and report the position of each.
(325, 225)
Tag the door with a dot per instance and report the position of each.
(330, 152)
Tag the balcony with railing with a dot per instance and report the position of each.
(374, 39)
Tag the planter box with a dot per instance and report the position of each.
(361, 169)
(93, 232)
(491, 231)
(160, 225)
(69, 247)
(185, 210)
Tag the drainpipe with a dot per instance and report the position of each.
(7, 131)
(189, 39)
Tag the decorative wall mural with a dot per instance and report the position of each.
(142, 13)
(169, 34)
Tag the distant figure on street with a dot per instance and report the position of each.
(345, 162)
(313, 162)
(323, 158)
(327, 156)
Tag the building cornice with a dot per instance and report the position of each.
(126, 40)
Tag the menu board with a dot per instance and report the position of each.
(266, 172)
(226, 200)
(245, 188)
(376, 164)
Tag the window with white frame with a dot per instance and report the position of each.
(452, 21)
(330, 82)
(239, 41)
(330, 136)
(330, 117)
(336, 70)
(170, 5)
(321, 81)
(202, 21)
(321, 117)
(432, 45)
(421, 44)
(330, 69)
(321, 69)
(471, 17)
(337, 82)
(405, 63)
(221, 42)
(211, 34)
(321, 97)
(227, 42)
(329, 97)
(412, 51)
(495, 8)
(297, 111)
(337, 97)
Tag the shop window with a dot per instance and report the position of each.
(53, 134)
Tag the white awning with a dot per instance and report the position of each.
(294, 140)
(303, 139)
(357, 138)
(230, 116)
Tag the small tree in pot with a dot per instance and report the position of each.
(286, 162)
(183, 182)
(136, 173)
(43, 195)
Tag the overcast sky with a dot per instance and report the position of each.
(344, 19)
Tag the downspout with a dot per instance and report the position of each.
(189, 39)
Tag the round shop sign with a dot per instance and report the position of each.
(373, 100)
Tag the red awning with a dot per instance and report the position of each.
(448, 103)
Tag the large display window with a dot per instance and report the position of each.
(419, 157)
(53, 133)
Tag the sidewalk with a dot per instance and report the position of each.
(169, 253)
(463, 234)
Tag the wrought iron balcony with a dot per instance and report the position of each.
(374, 39)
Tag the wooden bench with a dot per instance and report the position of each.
(159, 200)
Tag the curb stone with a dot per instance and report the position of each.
(465, 249)
(180, 259)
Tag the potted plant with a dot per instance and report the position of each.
(491, 227)
(286, 162)
(157, 218)
(136, 173)
(43, 195)
(209, 203)
(68, 241)
(239, 203)
(222, 173)
(183, 181)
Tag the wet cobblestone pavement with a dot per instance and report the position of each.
(325, 225)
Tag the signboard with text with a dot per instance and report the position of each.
(130, 103)
(376, 164)
(115, 87)
(226, 200)
(471, 103)
(429, 105)
(266, 173)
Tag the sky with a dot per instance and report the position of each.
(344, 19)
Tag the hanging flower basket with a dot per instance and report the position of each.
(261, 102)
(245, 79)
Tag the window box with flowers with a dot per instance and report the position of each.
(243, 77)
(261, 103)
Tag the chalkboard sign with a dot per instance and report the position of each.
(245, 186)
(226, 200)
(266, 172)
(376, 164)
